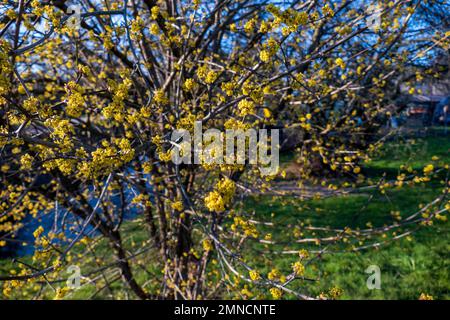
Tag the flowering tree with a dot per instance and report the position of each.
(91, 91)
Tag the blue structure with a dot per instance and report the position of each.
(442, 112)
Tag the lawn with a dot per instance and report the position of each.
(415, 264)
(410, 266)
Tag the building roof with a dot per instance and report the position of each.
(424, 98)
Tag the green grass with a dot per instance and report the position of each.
(413, 152)
(408, 266)
(407, 269)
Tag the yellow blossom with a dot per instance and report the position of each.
(276, 293)
(264, 55)
(246, 107)
(424, 296)
(428, 169)
(177, 205)
(155, 12)
(340, 63)
(298, 268)
(214, 202)
(26, 162)
(254, 275)
(207, 245)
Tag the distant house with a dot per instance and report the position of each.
(441, 113)
(426, 106)
(420, 109)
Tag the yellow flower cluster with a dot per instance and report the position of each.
(254, 275)
(207, 245)
(228, 87)
(335, 292)
(264, 55)
(248, 228)
(107, 158)
(154, 29)
(246, 107)
(428, 169)
(147, 167)
(424, 296)
(26, 161)
(75, 99)
(211, 76)
(37, 233)
(274, 274)
(115, 110)
(214, 202)
(207, 75)
(236, 124)
(126, 151)
(254, 91)
(5, 70)
(160, 97)
(3, 140)
(61, 293)
(227, 188)
(290, 17)
(62, 129)
(298, 268)
(276, 293)
(196, 3)
(189, 84)
(136, 26)
(327, 11)
(340, 62)
(303, 254)
(66, 166)
(177, 205)
(165, 156)
(250, 25)
(31, 104)
(155, 12)
(187, 122)
(221, 196)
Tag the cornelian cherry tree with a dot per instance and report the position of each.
(91, 90)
